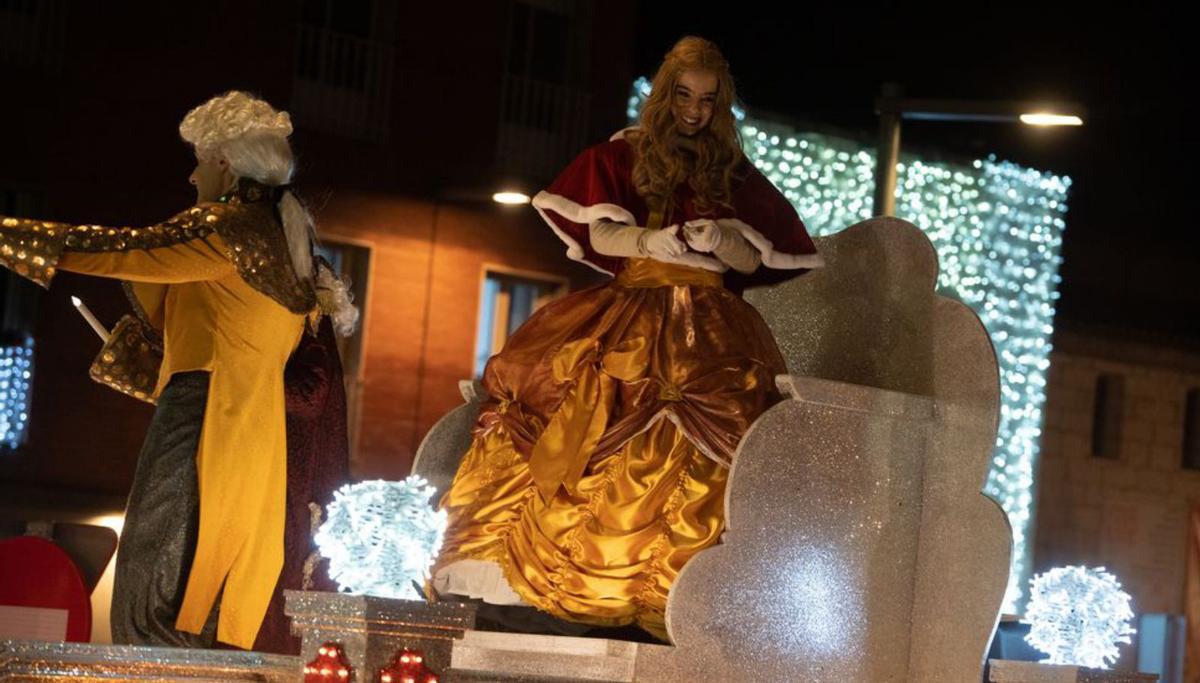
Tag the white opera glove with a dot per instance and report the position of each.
(662, 244)
(703, 234)
(724, 242)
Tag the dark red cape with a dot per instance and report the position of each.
(318, 462)
(598, 184)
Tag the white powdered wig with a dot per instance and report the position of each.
(246, 131)
(251, 136)
(336, 300)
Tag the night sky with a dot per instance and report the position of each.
(1130, 267)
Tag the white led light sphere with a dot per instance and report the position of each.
(1078, 615)
(381, 537)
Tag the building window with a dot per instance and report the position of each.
(539, 38)
(351, 261)
(31, 33)
(506, 303)
(18, 309)
(343, 70)
(1106, 416)
(543, 110)
(347, 17)
(1191, 430)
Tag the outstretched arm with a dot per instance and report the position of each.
(184, 248)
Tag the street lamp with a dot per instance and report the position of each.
(510, 197)
(892, 109)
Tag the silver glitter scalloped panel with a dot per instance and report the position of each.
(371, 629)
(865, 318)
(443, 447)
(859, 546)
(31, 661)
(1031, 672)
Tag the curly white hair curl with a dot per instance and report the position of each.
(251, 136)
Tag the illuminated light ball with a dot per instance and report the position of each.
(381, 537)
(1078, 615)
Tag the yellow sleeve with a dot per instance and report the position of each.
(206, 242)
(198, 259)
(180, 249)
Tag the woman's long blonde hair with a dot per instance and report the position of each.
(659, 167)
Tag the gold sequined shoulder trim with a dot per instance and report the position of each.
(259, 249)
(195, 223)
(255, 240)
(31, 248)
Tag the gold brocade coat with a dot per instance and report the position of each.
(217, 282)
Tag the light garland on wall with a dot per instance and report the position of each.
(16, 383)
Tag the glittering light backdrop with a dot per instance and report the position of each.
(16, 379)
(997, 228)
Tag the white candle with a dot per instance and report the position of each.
(91, 319)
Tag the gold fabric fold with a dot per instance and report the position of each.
(562, 452)
(645, 272)
(598, 466)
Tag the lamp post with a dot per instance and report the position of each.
(893, 109)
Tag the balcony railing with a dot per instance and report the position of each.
(542, 126)
(31, 33)
(343, 84)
